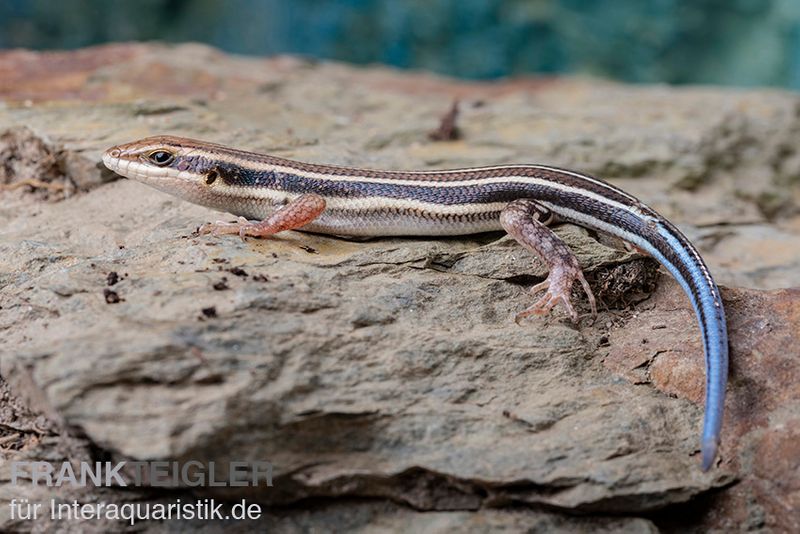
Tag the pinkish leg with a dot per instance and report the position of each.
(522, 219)
(297, 213)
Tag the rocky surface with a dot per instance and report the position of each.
(386, 380)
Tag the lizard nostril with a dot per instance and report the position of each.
(114, 152)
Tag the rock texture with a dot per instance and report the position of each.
(385, 379)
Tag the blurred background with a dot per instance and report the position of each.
(729, 42)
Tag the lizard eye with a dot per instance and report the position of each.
(161, 157)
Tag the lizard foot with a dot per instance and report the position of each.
(241, 226)
(558, 288)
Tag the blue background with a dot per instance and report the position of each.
(732, 42)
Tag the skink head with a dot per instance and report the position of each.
(182, 167)
(152, 159)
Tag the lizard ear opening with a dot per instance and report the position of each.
(212, 176)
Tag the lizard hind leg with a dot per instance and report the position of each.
(522, 219)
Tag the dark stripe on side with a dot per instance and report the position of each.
(243, 177)
(552, 174)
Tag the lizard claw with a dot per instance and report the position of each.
(221, 227)
(243, 227)
(558, 288)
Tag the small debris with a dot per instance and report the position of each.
(112, 297)
(260, 278)
(112, 278)
(447, 130)
(221, 285)
(310, 250)
(148, 109)
(220, 260)
(210, 312)
(33, 165)
(34, 184)
(237, 271)
(621, 285)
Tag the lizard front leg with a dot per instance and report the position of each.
(296, 214)
(525, 220)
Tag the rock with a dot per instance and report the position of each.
(386, 517)
(392, 369)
